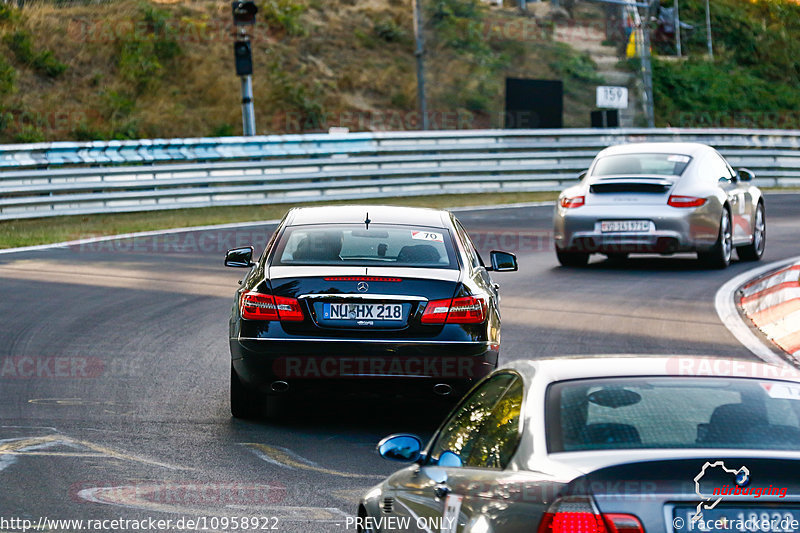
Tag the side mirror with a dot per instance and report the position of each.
(582, 175)
(403, 448)
(746, 174)
(449, 459)
(239, 257)
(503, 261)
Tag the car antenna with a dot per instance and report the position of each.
(367, 220)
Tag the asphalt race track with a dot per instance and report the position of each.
(114, 371)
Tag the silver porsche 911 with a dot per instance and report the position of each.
(661, 198)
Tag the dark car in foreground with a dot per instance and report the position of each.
(604, 445)
(363, 297)
(661, 198)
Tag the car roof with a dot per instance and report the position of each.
(564, 368)
(681, 148)
(378, 214)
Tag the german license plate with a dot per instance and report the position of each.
(746, 519)
(618, 226)
(348, 311)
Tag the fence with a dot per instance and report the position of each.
(49, 179)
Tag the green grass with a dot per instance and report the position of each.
(752, 81)
(29, 232)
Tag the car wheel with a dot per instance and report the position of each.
(720, 254)
(572, 259)
(242, 400)
(755, 250)
(361, 526)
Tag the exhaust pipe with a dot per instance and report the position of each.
(279, 386)
(442, 389)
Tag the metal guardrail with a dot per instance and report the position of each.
(49, 179)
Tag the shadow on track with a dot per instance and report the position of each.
(357, 413)
(647, 263)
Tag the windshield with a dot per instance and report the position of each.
(353, 244)
(675, 412)
(644, 164)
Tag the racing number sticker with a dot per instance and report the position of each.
(782, 391)
(452, 507)
(427, 236)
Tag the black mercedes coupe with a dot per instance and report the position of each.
(392, 299)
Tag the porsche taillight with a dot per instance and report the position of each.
(464, 310)
(258, 306)
(573, 202)
(578, 514)
(677, 200)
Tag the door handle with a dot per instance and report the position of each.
(441, 490)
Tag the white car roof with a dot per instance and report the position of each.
(681, 148)
(628, 365)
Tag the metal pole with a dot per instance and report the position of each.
(677, 29)
(708, 30)
(647, 72)
(248, 111)
(420, 53)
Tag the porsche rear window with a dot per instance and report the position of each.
(378, 245)
(641, 164)
(673, 412)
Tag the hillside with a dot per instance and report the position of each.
(134, 68)
(754, 78)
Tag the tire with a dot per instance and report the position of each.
(755, 250)
(242, 400)
(719, 256)
(362, 514)
(572, 259)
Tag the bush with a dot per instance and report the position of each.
(142, 56)
(701, 93)
(29, 134)
(283, 15)
(21, 44)
(575, 65)
(389, 31)
(7, 77)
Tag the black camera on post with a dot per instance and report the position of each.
(244, 13)
(243, 55)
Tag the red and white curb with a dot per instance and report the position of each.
(772, 303)
(767, 299)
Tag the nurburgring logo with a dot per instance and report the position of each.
(741, 478)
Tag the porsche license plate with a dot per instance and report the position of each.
(619, 226)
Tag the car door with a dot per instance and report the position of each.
(744, 228)
(423, 494)
(740, 215)
(478, 272)
(481, 489)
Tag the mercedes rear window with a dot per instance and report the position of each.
(641, 164)
(355, 244)
(673, 412)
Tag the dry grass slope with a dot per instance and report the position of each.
(137, 68)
